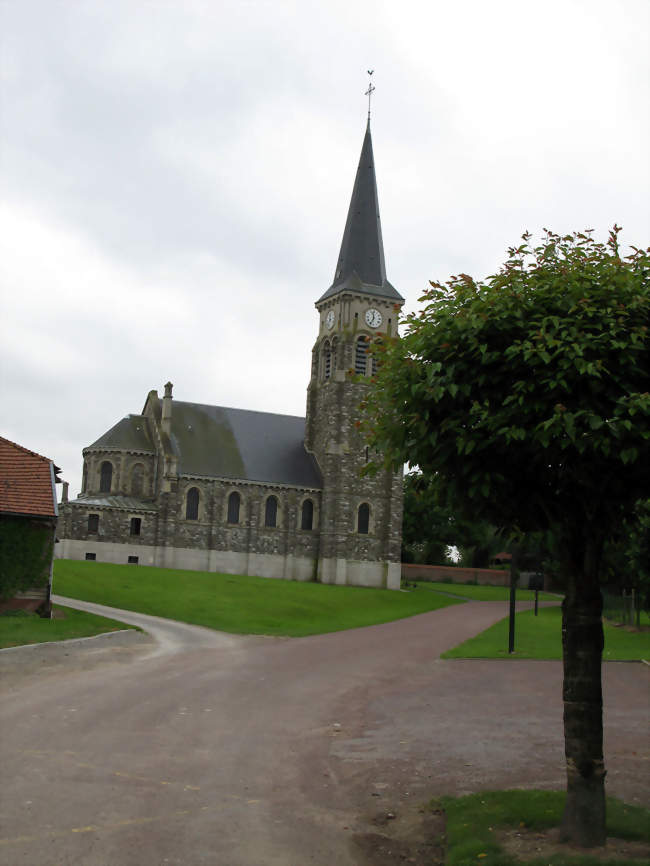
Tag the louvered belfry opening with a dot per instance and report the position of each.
(360, 354)
(328, 360)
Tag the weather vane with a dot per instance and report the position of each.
(370, 90)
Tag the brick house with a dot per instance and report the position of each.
(190, 485)
(28, 521)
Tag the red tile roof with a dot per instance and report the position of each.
(25, 481)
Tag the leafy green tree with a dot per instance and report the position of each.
(527, 394)
(428, 525)
(626, 560)
(478, 541)
(432, 524)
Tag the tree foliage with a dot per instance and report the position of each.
(528, 395)
(427, 525)
(529, 388)
(432, 524)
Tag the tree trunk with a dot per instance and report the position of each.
(583, 822)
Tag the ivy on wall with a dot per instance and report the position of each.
(25, 555)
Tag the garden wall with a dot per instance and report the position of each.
(438, 573)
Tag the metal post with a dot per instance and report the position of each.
(536, 600)
(514, 577)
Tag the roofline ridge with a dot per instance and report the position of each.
(237, 409)
(26, 450)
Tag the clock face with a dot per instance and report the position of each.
(329, 319)
(373, 318)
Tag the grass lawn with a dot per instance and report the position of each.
(473, 823)
(238, 604)
(475, 592)
(22, 628)
(541, 638)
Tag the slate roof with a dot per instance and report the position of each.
(360, 266)
(130, 434)
(216, 441)
(26, 481)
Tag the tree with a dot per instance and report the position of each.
(478, 541)
(528, 395)
(432, 524)
(427, 525)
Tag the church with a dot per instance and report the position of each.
(188, 485)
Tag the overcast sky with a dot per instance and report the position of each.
(176, 176)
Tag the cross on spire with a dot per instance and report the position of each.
(371, 89)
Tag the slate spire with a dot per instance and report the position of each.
(361, 266)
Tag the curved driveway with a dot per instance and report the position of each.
(250, 751)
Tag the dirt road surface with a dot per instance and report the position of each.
(187, 746)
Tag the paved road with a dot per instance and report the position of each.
(207, 748)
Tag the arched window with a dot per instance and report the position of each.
(192, 504)
(137, 479)
(84, 478)
(105, 477)
(307, 516)
(271, 512)
(363, 518)
(360, 352)
(234, 501)
(327, 360)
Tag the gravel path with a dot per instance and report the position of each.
(195, 747)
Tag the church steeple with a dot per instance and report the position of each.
(360, 266)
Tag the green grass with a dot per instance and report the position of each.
(17, 629)
(476, 592)
(237, 604)
(541, 638)
(472, 820)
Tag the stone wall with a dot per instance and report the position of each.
(332, 415)
(438, 573)
(289, 566)
(209, 543)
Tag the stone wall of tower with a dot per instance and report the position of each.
(333, 437)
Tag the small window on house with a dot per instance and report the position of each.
(93, 523)
(363, 518)
(105, 477)
(234, 501)
(136, 523)
(307, 516)
(132, 560)
(91, 557)
(192, 504)
(271, 512)
(360, 352)
(327, 361)
(137, 479)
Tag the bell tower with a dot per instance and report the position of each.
(360, 527)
